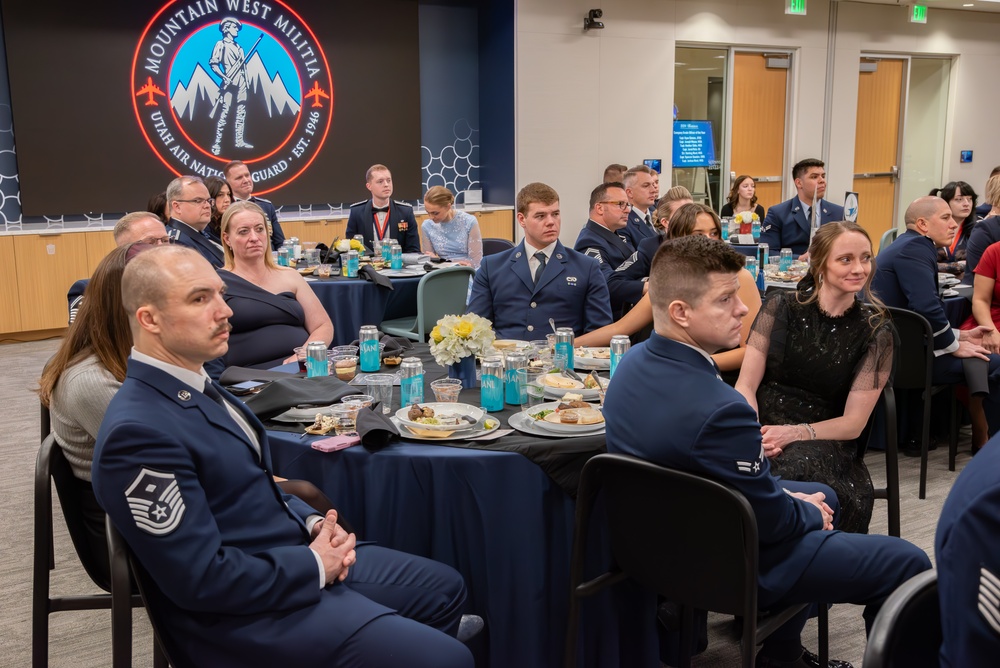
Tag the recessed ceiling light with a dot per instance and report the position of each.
(968, 5)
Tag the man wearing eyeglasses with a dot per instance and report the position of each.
(190, 209)
(603, 239)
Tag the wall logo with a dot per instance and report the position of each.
(220, 80)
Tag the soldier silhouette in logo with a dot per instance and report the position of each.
(230, 62)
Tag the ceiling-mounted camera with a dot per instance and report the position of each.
(590, 20)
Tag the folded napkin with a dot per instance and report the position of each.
(241, 374)
(375, 429)
(289, 392)
(368, 273)
(394, 345)
(415, 258)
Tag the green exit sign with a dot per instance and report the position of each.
(795, 7)
(918, 13)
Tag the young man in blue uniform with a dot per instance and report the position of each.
(519, 290)
(245, 575)
(382, 217)
(968, 564)
(669, 406)
(603, 239)
(190, 209)
(787, 225)
(642, 191)
(241, 184)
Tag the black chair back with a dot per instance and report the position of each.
(493, 246)
(907, 631)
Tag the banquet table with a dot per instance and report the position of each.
(353, 302)
(498, 518)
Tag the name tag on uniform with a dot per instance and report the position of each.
(571, 280)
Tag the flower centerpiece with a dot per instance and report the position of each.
(746, 220)
(456, 340)
(344, 245)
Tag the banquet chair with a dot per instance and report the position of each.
(124, 571)
(439, 293)
(652, 509)
(887, 238)
(52, 468)
(907, 630)
(886, 410)
(492, 246)
(913, 371)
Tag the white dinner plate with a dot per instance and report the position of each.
(528, 425)
(458, 435)
(581, 361)
(441, 408)
(301, 414)
(586, 394)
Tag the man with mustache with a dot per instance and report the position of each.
(244, 574)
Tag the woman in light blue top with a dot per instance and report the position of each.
(448, 233)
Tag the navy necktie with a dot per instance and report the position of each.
(540, 256)
(213, 393)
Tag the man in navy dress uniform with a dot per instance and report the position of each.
(244, 574)
(669, 406)
(642, 193)
(967, 546)
(906, 277)
(190, 208)
(787, 225)
(520, 289)
(636, 267)
(382, 217)
(603, 239)
(241, 183)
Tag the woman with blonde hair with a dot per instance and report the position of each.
(449, 233)
(985, 233)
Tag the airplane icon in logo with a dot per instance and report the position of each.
(150, 89)
(316, 93)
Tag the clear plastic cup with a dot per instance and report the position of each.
(300, 354)
(359, 400)
(446, 390)
(346, 416)
(530, 386)
(344, 350)
(380, 389)
(345, 367)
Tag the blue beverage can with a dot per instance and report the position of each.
(352, 264)
(725, 228)
(317, 362)
(785, 259)
(386, 251)
(283, 257)
(411, 382)
(755, 230)
(619, 346)
(564, 345)
(491, 384)
(368, 343)
(514, 394)
(397, 257)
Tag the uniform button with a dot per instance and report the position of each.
(534, 305)
(531, 328)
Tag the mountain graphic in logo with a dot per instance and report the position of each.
(202, 92)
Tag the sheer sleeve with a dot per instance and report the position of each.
(475, 244)
(426, 244)
(767, 334)
(874, 370)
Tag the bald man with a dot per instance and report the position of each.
(906, 277)
(244, 574)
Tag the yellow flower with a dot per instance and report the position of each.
(436, 334)
(463, 329)
(357, 245)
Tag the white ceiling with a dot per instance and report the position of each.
(976, 5)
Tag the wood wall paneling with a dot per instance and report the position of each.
(99, 244)
(47, 265)
(10, 305)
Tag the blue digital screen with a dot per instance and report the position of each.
(693, 144)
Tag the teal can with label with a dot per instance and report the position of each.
(564, 345)
(411, 382)
(491, 384)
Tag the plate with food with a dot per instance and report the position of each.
(588, 392)
(556, 381)
(306, 271)
(439, 416)
(417, 433)
(510, 345)
(547, 420)
(301, 414)
(592, 358)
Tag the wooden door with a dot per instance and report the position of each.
(47, 265)
(758, 122)
(876, 145)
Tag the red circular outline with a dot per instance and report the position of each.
(329, 77)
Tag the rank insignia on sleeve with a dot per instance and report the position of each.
(989, 598)
(155, 501)
(594, 253)
(751, 467)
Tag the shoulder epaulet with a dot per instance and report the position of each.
(260, 199)
(364, 201)
(396, 201)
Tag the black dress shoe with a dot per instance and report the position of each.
(812, 661)
(470, 627)
(911, 448)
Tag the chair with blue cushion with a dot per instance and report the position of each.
(494, 246)
(887, 238)
(441, 292)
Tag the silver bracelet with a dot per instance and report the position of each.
(812, 432)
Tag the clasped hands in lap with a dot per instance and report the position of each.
(334, 546)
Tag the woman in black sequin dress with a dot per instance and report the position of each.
(815, 364)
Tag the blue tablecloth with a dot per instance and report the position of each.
(501, 522)
(353, 302)
(958, 309)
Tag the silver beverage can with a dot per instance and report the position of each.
(411, 384)
(317, 363)
(619, 346)
(512, 392)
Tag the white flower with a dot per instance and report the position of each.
(455, 337)
(343, 245)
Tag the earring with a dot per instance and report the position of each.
(820, 279)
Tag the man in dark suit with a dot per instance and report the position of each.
(190, 210)
(669, 406)
(602, 239)
(382, 217)
(244, 574)
(906, 277)
(967, 547)
(520, 289)
(642, 193)
(789, 224)
(241, 183)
